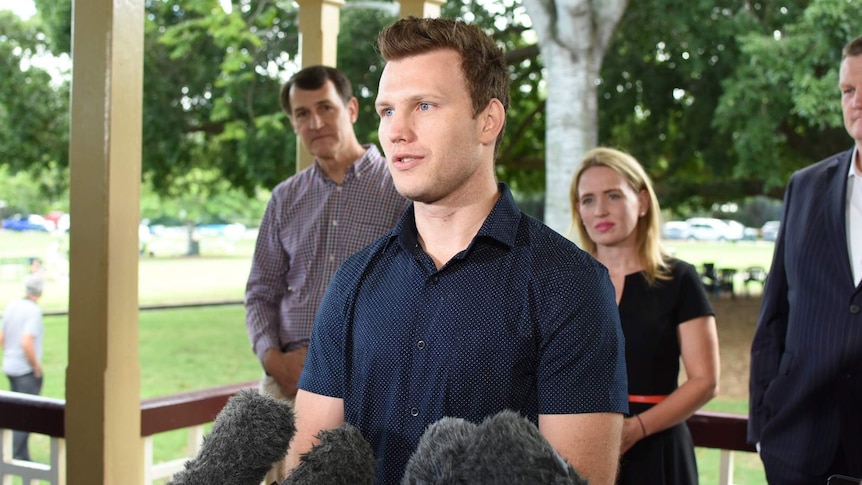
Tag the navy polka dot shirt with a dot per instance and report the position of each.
(522, 319)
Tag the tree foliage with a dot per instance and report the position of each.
(720, 99)
(724, 99)
(34, 121)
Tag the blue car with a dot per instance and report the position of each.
(19, 222)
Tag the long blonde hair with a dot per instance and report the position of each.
(650, 251)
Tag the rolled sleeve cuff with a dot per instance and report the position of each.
(263, 344)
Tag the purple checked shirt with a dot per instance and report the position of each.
(310, 226)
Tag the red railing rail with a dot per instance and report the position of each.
(186, 409)
(36, 414)
(43, 415)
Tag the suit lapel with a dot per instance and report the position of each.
(836, 221)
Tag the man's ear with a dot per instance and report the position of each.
(492, 118)
(353, 108)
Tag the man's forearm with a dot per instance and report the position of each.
(30, 354)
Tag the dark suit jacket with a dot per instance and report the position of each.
(806, 357)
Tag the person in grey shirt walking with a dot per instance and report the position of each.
(21, 337)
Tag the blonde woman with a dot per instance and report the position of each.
(664, 311)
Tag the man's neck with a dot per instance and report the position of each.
(445, 229)
(336, 167)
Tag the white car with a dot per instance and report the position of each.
(769, 231)
(675, 230)
(710, 229)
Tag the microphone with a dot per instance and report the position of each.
(504, 448)
(251, 432)
(342, 457)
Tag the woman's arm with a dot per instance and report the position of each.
(699, 347)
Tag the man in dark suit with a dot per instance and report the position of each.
(806, 358)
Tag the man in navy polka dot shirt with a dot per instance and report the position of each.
(467, 307)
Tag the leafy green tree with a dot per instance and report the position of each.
(720, 99)
(781, 108)
(34, 120)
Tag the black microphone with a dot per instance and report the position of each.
(249, 435)
(342, 457)
(504, 448)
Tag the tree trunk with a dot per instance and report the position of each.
(573, 38)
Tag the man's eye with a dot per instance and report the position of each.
(424, 106)
(386, 112)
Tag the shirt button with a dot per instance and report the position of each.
(420, 344)
(414, 412)
(331, 258)
(334, 222)
(338, 188)
(854, 309)
(435, 279)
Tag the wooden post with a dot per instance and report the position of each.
(318, 33)
(103, 417)
(421, 8)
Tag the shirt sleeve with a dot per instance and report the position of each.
(693, 301)
(266, 282)
(582, 363)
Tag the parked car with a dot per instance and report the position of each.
(57, 221)
(769, 231)
(735, 230)
(675, 230)
(750, 234)
(710, 229)
(19, 222)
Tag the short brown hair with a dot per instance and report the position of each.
(853, 48)
(314, 77)
(482, 60)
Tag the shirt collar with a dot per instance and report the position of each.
(852, 171)
(356, 168)
(500, 225)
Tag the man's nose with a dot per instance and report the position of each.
(399, 128)
(315, 121)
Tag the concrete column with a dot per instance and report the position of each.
(421, 8)
(103, 417)
(318, 34)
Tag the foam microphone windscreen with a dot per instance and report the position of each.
(504, 448)
(251, 432)
(341, 457)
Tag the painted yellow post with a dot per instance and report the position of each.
(318, 30)
(421, 8)
(103, 418)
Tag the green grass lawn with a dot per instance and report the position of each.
(738, 255)
(186, 349)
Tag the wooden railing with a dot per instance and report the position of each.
(193, 410)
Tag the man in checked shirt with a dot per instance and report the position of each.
(314, 221)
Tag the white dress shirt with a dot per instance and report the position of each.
(854, 216)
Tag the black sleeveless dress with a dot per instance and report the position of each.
(649, 316)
